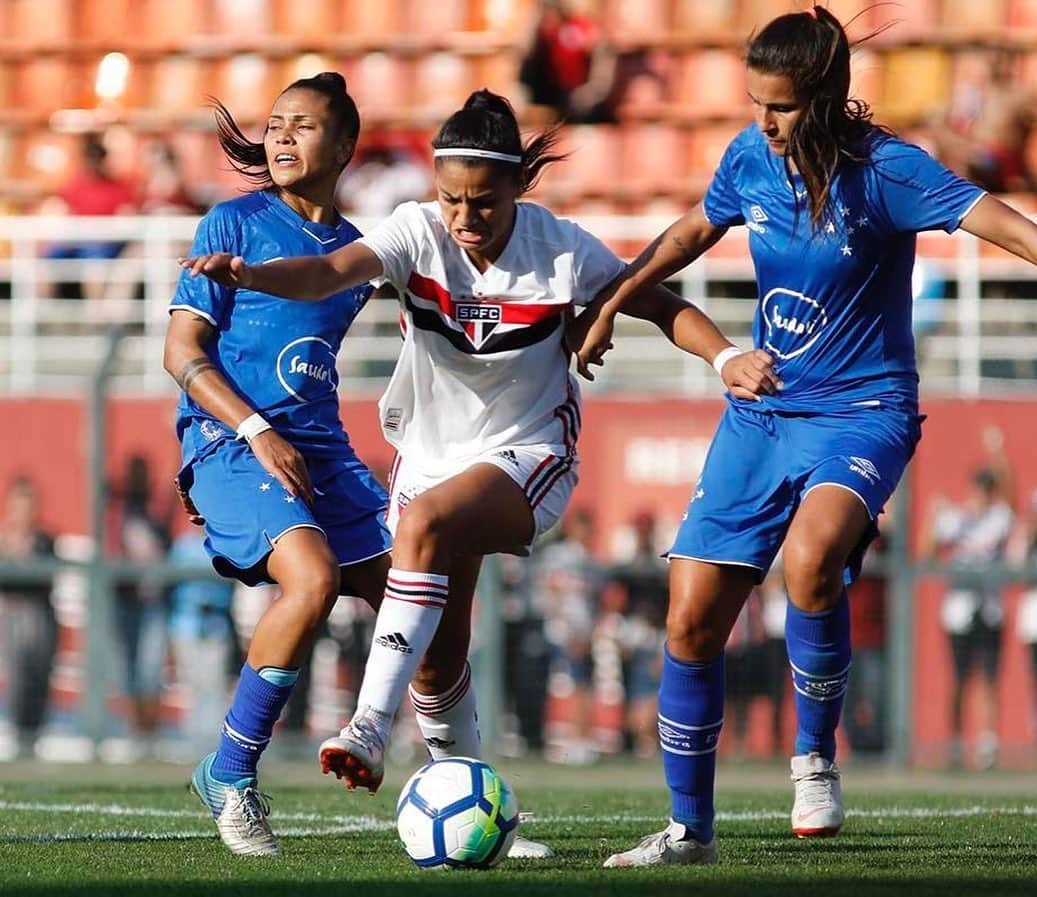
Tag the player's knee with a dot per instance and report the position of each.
(692, 637)
(422, 534)
(813, 572)
(312, 594)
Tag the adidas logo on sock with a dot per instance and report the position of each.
(440, 743)
(394, 641)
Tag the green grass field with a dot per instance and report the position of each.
(109, 831)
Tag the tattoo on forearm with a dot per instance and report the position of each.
(682, 247)
(192, 370)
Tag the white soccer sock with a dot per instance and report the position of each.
(406, 623)
(448, 722)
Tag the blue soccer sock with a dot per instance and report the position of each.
(691, 712)
(819, 654)
(258, 701)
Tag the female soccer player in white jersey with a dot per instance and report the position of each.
(833, 204)
(267, 465)
(481, 407)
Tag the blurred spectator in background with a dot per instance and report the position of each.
(745, 668)
(164, 189)
(570, 582)
(201, 633)
(638, 629)
(141, 535)
(30, 626)
(386, 171)
(93, 190)
(559, 55)
(971, 536)
(983, 133)
(864, 715)
(622, 84)
(1026, 621)
(525, 654)
(774, 599)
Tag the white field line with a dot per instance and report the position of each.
(339, 825)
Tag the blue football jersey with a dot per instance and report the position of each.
(835, 306)
(279, 355)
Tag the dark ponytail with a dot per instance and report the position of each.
(248, 158)
(487, 122)
(812, 50)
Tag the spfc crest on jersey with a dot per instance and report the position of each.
(478, 320)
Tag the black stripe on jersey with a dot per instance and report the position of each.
(427, 319)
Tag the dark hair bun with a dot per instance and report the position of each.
(333, 78)
(488, 101)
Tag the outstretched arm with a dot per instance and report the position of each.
(746, 374)
(675, 248)
(997, 223)
(309, 278)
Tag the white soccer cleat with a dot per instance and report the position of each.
(356, 754)
(670, 847)
(524, 849)
(818, 809)
(240, 812)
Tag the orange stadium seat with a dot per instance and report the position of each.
(1021, 14)
(866, 75)
(976, 18)
(43, 84)
(380, 83)
(375, 22)
(654, 160)
(704, 148)
(242, 18)
(434, 20)
(512, 18)
(916, 19)
(637, 19)
(313, 19)
(103, 21)
(705, 15)
(497, 72)
(46, 22)
(441, 83)
(243, 82)
(594, 166)
(180, 84)
(170, 24)
(916, 81)
(711, 83)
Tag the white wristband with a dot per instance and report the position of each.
(252, 426)
(724, 356)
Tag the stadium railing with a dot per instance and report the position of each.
(975, 313)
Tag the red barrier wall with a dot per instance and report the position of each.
(636, 453)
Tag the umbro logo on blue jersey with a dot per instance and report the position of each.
(395, 641)
(865, 468)
(759, 215)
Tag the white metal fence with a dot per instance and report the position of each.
(977, 313)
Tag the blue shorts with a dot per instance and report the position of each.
(761, 465)
(246, 510)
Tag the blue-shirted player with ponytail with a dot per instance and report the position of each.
(267, 465)
(833, 204)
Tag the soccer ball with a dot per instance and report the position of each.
(456, 812)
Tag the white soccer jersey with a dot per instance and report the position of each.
(483, 364)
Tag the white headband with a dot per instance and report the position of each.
(477, 153)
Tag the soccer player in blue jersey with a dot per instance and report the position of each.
(833, 204)
(266, 462)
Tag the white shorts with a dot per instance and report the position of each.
(546, 473)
